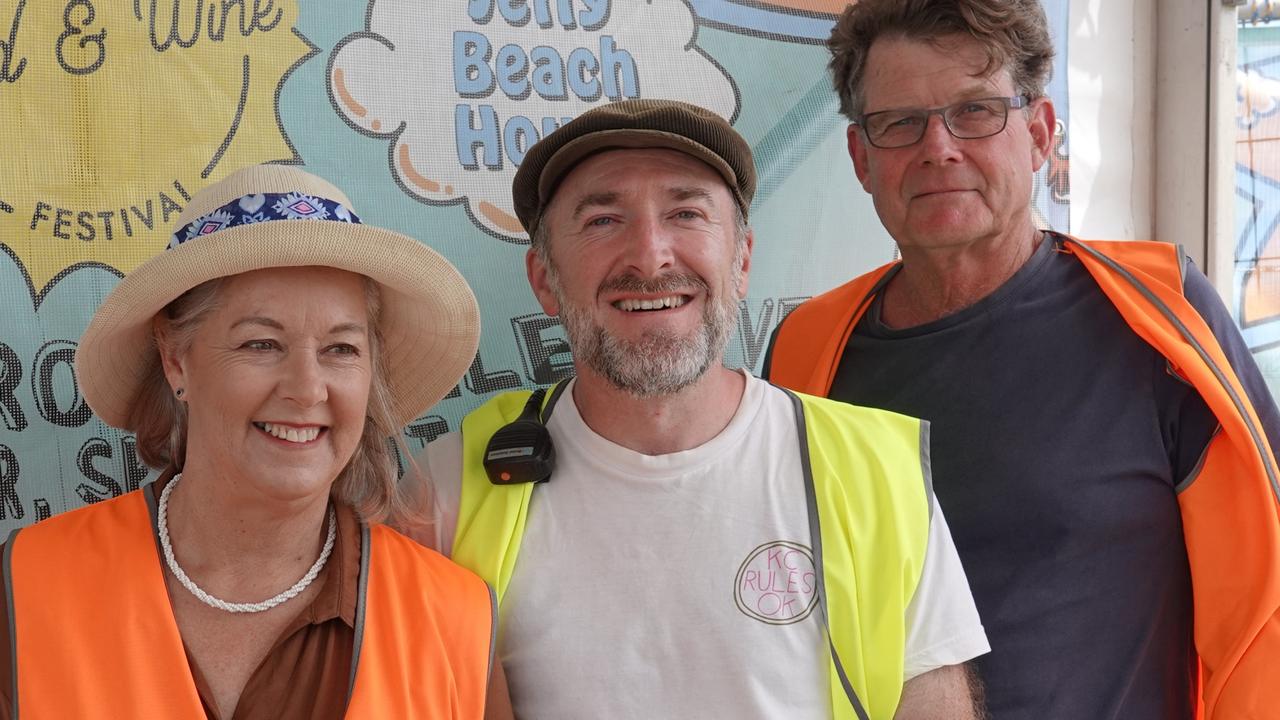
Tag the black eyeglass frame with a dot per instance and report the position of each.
(1014, 102)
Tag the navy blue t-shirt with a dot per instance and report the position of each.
(1058, 442)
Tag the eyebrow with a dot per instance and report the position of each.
(608, 198)
(257, 320)
(349, 327)
(972, 92)
(340, 328)
(594, 199)
(691, 193)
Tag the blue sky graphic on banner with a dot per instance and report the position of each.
(117, 112)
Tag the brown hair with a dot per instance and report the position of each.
(369, 483)
(1014, 34)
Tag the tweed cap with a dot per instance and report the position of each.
(647, 123)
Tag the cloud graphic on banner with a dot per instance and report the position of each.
(463, 94)
(1256, 97)
(115, 113)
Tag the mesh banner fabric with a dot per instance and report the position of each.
(1254, 297)
(113, 113)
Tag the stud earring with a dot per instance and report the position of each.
(179, 392)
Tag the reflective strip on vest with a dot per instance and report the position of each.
(1230, 513)
(428, 635)
(90, 644)
(867, 471)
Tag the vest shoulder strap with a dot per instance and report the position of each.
(811, 339)
(1143, 280)
(1161, 262)
(491, 517)
(424, 614)
(869, 499)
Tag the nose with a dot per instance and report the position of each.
(303, 379)
(938, 144)
(650, 247)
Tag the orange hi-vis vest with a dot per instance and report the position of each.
(1230, 512)
(94, 635)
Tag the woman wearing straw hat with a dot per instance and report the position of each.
(263, 361)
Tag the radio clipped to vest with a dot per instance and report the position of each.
(521, 451)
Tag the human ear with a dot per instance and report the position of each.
(858, 153)
(536, 267)
(1041, 122)
(170, 357)
(747, 246)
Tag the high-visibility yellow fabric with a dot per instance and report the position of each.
(872, 500)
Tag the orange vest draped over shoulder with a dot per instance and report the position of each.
(1230, 513)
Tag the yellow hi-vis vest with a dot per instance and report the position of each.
(869, 499)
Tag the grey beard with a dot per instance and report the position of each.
(658, 363)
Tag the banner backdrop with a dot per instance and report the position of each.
(1254, 297)
(114, 113)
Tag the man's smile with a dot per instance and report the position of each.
(650, 304)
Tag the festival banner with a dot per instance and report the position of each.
(115, 112)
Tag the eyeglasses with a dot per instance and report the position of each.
(966, 120)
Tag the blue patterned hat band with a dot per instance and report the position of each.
(263, 207)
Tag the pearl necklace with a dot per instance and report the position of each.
(163, 529)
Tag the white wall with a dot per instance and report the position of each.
(1152, 91)
(1111, 91)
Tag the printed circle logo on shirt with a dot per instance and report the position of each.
(777, 583)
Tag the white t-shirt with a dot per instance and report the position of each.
(682, 585)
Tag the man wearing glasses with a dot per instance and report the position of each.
(1101, 436)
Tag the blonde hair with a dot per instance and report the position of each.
(369, 483)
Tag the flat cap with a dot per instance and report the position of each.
(646, 123)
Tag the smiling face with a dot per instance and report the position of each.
(942, 191)
(645, 267)
(277, 381)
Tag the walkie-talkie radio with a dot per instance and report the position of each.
(521, 451)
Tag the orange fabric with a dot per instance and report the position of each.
(812, 338)
(417, 664)
(1230, 515)
(424, 651)
(86, 653)
(1231, 518)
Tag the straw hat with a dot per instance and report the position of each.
(279, 216)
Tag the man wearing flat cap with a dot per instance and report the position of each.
(707, 545)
